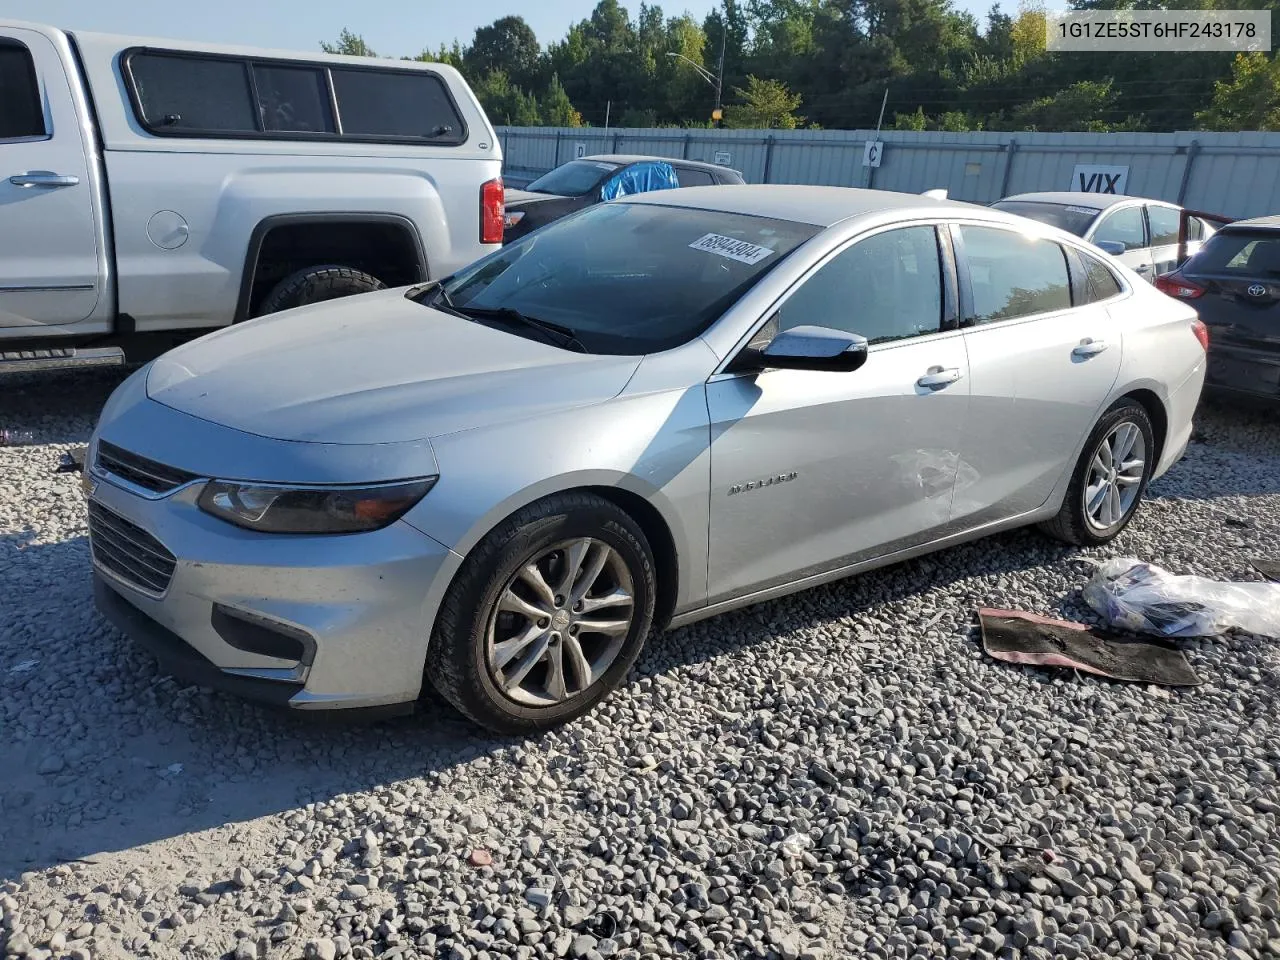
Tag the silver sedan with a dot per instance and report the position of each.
(650, 412)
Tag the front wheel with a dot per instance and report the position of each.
(1110, 478)
(546, 616)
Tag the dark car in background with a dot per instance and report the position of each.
(583, 182)
(1234, 284)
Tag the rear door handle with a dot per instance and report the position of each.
(43, 180)
(1089, 348)
(939, 377)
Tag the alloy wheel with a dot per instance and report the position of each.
(560, 622)
(1115, 476)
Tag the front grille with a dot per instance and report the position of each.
(140, 471)
(128, 551)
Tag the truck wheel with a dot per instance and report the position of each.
(316, 284)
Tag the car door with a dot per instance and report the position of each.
(811, 471)
(1162, 223)
(49, 265)
(1126, 225)
(1042, 358)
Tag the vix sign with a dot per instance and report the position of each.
(1093, 178)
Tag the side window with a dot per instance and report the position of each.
(20, 111)
(1195, 229)
(1125, 226)
(1164, 225)
(382, 103)
(1103, 284)
(886, 287)
(689, 177)
(1013, 275)
(192, 94)
(293, 99)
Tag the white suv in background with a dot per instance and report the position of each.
(1140, 233)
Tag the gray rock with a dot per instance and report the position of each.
(321, 949)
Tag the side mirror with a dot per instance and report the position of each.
(813, 348)
(1113, 247)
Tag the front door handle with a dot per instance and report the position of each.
(1142, 268)
(939, 377)
(1089, 348)
(43, 180)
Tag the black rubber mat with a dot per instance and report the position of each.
(1019, 637)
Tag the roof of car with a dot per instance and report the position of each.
(625, 158)
(1271, 222)
(819, 206)
(1097, 201)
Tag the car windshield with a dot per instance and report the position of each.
(1242, 252)
(627, 278)
(1061, 215)
(573, 179)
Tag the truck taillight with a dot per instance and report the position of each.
(492, 210)
(1201, 331)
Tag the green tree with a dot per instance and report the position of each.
(504, 102)
(349, 44)
(1249, 99)
(508, 44)
(764, 103)
(911, 121)
(557, 110)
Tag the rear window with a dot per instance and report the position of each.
(20, 112)
(630, 278)
(1240, 252)
(380, 103)
(573, 179)
(694, 178)
(179, 94)
(1103, 284)
(1064, 216)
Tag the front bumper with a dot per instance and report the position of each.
(310, 622)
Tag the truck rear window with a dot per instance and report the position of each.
(20, 113)
(203, 95)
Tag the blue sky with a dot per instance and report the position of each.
(392, 28)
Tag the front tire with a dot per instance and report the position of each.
(1110, 479)
(546, 616)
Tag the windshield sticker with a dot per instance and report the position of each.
(739, 250)
(1088, 211)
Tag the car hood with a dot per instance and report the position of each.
(377, 368)
(523, 198)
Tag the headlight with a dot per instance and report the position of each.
(511, 218)
(277, 509)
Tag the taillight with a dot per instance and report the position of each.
(1176, 285)
(492, 209)
(1201, 331)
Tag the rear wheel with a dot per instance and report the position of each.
(317, 284)
(1110, 478)
(546, 616)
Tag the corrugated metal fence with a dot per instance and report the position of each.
(1235, 174)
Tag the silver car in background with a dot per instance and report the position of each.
(1140, 233)
(644, 414)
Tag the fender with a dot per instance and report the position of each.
(267, 224)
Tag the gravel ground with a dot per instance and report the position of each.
(838, 774)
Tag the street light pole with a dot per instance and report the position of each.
(724, 41)
(717, 79)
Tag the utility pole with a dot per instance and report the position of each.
(724, 42)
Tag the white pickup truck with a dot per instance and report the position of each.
(153, 189)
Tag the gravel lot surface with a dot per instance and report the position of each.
(838, 774)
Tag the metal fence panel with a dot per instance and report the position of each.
(1236, 174)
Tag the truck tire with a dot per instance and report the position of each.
(316, 284)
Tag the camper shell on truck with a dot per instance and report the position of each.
(152, 189)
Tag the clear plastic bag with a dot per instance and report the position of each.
(1137, 596)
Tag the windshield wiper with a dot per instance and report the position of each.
(557, 334)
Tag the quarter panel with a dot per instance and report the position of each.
(222, 196)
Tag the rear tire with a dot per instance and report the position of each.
(1104, 496)
(521, 643)
(317, 284)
